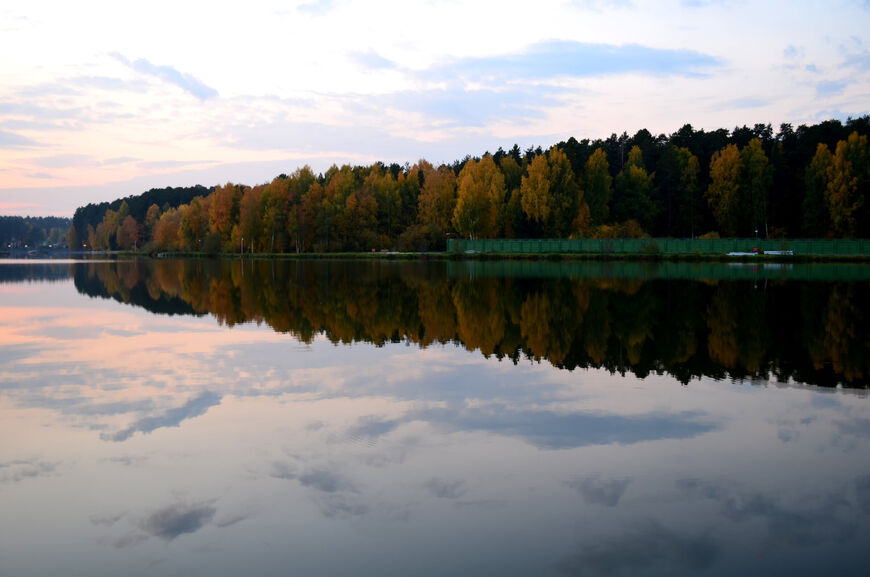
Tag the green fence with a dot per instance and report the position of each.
(653, 246)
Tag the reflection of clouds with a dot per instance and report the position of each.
(854, 428)
(85, 406)
(550, 430)
(171, 418)
(283, 470)
(326, 481)
(232, 520)
(177, 519)
(339, 506)
(598, 491)
(18, 470)
(862, 493)
(812, 520)
(370, 428)
(337, 496)
(107, 520)
(320, 479)
(444, 489)
(482, 504)
(649, 544)
(167, 523)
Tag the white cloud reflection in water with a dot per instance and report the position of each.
(142, 444)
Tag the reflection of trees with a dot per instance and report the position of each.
(811, 332)
(722, 342)
(842, 341)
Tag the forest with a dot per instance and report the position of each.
(809, 181)
(33, 231)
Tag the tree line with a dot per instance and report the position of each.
(811, 181)
(805, 331)
(33, 231)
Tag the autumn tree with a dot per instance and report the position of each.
(194, 224)
(129, 234)
(340, 185)
(723, 194)
(689, 213)
(632, 198)
(848, 177)
(549, 194)
(535, 197)
(513, 176)
(224, 212)
(384, 189)
(313, 217)
(360, 219)
(597, 186)
(299, 183)
(247, 233)
(274, 206)
(152, 215)
(73, 241)
(815, 208)
(438, 198)
(166, 230)
(481, 185)
(756, 179)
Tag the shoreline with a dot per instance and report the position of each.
(456, 256)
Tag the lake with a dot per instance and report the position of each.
(261, 417)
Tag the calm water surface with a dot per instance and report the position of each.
(279, 418)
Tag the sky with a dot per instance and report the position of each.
(101, 100)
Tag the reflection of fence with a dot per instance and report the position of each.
(807, 246)
(649, 270)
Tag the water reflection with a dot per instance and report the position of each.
(151, 444)
(758, 327)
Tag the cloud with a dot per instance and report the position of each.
(444, 489)
(601, 5)
(178, 519)
(740, 103)
(860, 60)
(158, 164)
(598, 491)
(703, 3)
(18, 206)
(119, 160)
(830, 88)
(649, 544)
(791, 52)
(43, 175)
(549, 60)
(372, 61)
(171, 418)
(317, 8)
(463, 107)
(65, 161)
(13, 140)
(169, 75)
